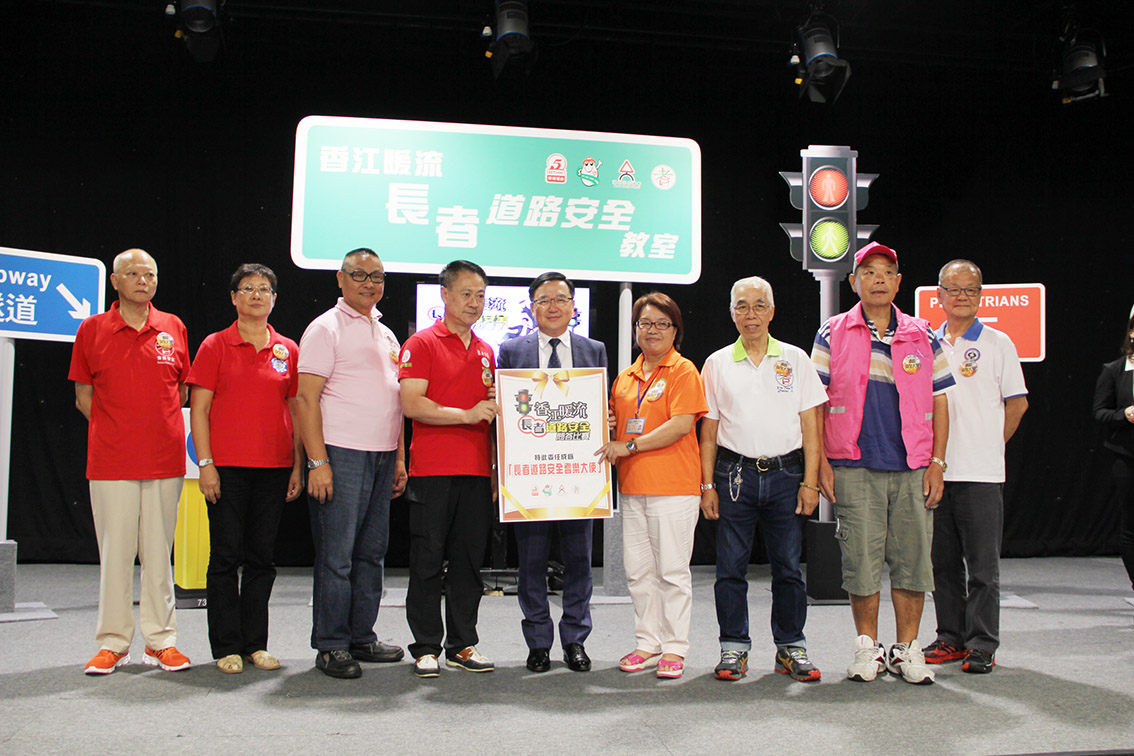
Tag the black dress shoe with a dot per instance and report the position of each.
(576, 657)
(539, 659)
(338, 664)
(377, 652)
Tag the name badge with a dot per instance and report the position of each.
(635, 426)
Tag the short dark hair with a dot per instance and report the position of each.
(1127, 339)
(252, 269)
(361, 252)
(450, 272)
(666, 304)
(551, 275)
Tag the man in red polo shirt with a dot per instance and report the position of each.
(446, 387)
(129, 366)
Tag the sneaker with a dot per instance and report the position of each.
(338, 663)
(939, 652)
(426, 666)
(793, 661)
(908, 662)
(469, 658)
(105, 662)
(869, 659)
(377, 652)
(978, 662)
(169, 659)
(733, 666)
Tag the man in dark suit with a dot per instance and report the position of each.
(549, 347)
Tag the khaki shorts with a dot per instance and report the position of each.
(881, 516)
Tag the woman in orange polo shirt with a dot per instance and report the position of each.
(657, 402)
(242, 414)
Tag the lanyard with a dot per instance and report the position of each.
(638, 410)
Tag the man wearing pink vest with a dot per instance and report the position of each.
(885, 427)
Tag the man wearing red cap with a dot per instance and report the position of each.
(885, 427)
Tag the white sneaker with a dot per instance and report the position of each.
(909, 662)
(869, 659)
(426, 666)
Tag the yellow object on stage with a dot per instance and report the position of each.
(191, 539)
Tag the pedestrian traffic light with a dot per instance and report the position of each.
(830, 192)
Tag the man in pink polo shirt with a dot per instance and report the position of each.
(129, 366)
(350, 419)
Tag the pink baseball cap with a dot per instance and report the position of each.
(874, 248)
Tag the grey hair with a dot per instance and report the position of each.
(755, 282)
(960, 263)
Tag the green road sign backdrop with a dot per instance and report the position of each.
(517, 201)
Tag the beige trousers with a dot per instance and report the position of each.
(135, 518)
(657, 543)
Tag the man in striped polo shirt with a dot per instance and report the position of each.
(885, 427)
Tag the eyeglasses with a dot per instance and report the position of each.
(955, 291)
(359, 276)
(661, 325)
(547, 301)
(261, 290)
(759, 308)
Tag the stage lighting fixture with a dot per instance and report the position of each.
(200, 28)
(199, 16)
(511, 38)
(820, 73)
(1081, 69)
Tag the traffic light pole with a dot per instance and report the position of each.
(828, 307)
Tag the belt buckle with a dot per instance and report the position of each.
(761, 464)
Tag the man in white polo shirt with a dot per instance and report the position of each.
(984, 411)
(760, 450)
(350, 418)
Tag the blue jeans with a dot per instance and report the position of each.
(769, 497)
(350, 531)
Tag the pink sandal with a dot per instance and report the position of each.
(635, 662)
(671, 669)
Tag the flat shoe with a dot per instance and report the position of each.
(231, 664)
(635, 662)
(671, 670)
(262, 660)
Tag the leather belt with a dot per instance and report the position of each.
(762, 464)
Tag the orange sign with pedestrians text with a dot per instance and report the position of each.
(1019, 310)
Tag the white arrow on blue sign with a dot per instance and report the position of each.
(45, 296)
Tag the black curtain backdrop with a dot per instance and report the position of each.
(112, 137)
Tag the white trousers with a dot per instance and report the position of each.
(657, 543)
(135, 518)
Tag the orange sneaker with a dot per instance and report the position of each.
(169, 659)
(106, 661)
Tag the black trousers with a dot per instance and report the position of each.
(450, 520)
(242, 534)
(1123, 472)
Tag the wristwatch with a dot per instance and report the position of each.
(941, 462)
(205, 462)
(707, 487)
(631, 447)
(313, 463)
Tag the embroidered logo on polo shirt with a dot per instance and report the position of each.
(279, 351)
(969, 366)
(406, 358)
(163, 342)
(784, 376)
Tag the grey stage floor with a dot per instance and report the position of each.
(1065, 682)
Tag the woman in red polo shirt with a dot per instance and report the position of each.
(242, 413)
(657, 402)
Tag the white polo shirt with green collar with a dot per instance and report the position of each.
(758, 406)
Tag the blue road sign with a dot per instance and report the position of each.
(45, 296)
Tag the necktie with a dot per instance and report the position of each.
(553, 361)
